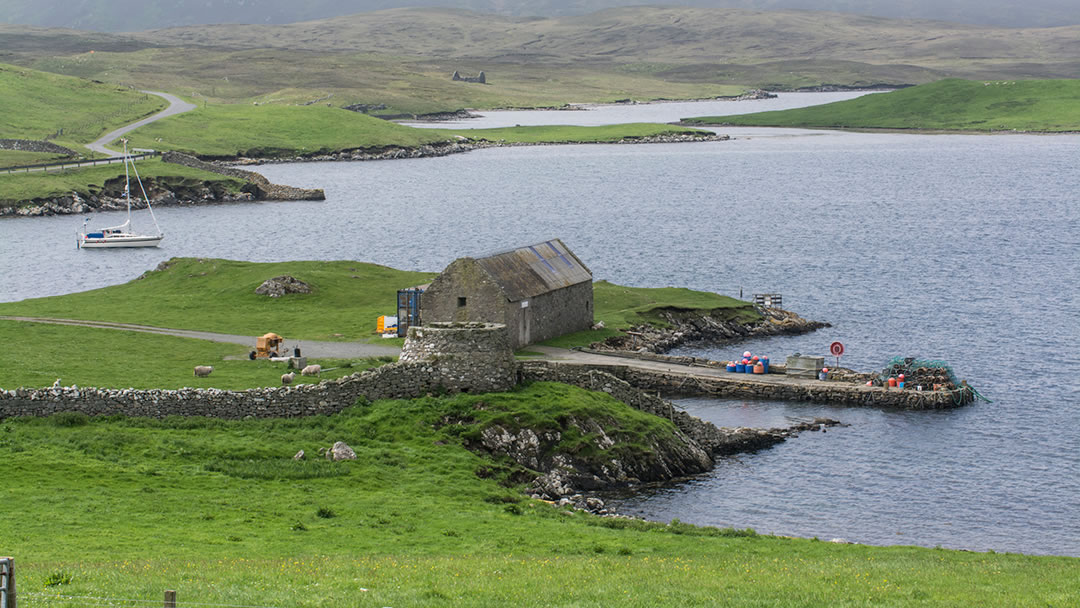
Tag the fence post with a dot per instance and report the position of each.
(7, 577)
(170, 599)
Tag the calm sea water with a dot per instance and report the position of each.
(960, 248)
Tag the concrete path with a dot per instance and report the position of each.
(674, 369)
(309, 348)
(176, 106)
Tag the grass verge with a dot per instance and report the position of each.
(952, 104)
(218, 511)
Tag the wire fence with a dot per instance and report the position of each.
(60, 166)
(93, 601)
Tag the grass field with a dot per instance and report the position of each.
(38, 353)
(219, 296)
(16, 188)
(220, 512)
(960, 105)
(283, 131)
(72, 111)
(16, 158)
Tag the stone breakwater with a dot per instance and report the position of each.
(459, 147)
(692, 326)
(744, 386)
(263, 189)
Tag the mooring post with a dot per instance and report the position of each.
(7, 574)
(170, 599)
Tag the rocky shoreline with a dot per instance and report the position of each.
(460, 147)
(688, 327)
(111, 199)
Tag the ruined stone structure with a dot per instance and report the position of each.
(479, 78)
(538, 292)
(467, 356)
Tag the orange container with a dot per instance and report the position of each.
(759, 369)
(892, 382)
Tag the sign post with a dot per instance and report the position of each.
(836, 349)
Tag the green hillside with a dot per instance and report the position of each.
(219, 511)
(963, 105)
(70, 111)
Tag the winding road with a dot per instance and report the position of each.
(176, 106)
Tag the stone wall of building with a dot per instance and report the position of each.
(551, 314)
(484, 301)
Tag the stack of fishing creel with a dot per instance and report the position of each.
(749, 364)
(931, 375)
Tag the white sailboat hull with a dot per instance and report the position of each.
(120, 240)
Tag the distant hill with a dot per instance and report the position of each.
(401, 59)
(136, 15)
(952, 104)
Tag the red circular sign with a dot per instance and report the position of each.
(836, 349)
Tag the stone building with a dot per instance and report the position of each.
(538, 292)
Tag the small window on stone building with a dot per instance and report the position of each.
(586, 305)
(461, 301)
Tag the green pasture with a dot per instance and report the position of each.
(220, 130)
(219, 511)
(72, 111)
(953, 105)
(18, 158)
(39, 353)
(283, 131)
(20, 187)
(347, 298)
(219, 296)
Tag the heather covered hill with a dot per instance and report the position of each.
(132, 15)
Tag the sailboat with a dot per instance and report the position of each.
(122, 235)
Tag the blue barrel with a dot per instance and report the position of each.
(730, 367)
(765, 364)
(740, 368)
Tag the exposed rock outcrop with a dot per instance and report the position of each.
(693, 326)
(279, 286)
(33, 145)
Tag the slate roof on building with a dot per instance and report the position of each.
(529, 271)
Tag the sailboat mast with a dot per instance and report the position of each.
(127, 181)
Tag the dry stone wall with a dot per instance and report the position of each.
(33, 145)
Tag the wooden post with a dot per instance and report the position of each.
(9, 576)
(170, 599)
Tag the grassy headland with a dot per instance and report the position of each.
(955, 105)
(269, 131)
(19, 188)
(219, 296)
(219, 511)
(70, 111)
